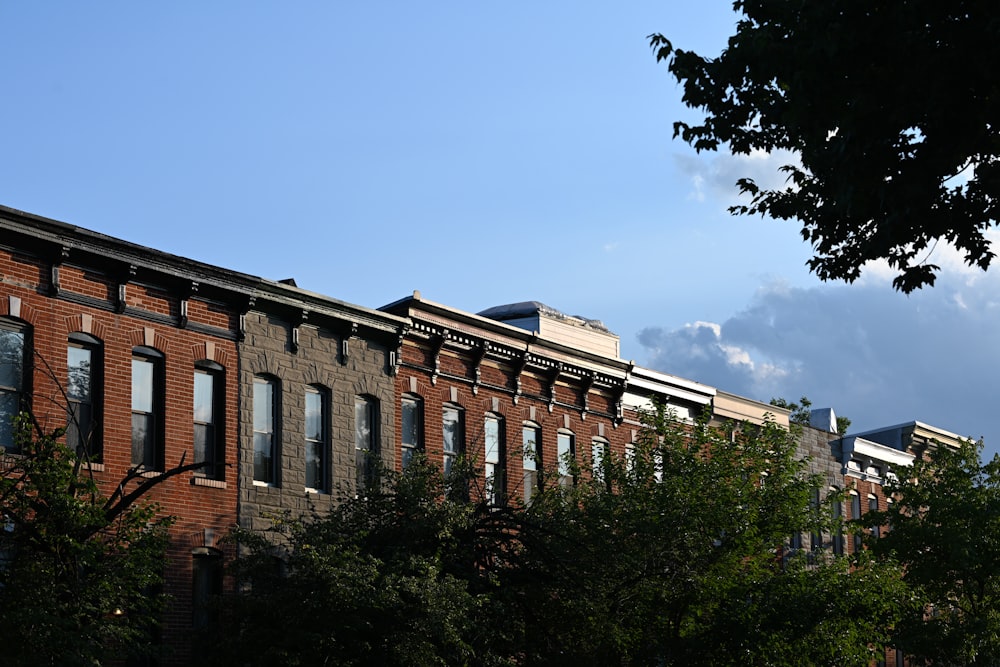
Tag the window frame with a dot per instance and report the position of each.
(366, 446)
(566, 457)
(415, 405)
(151, 456)
(317, 448)
(90, 445)
(214, 453)
(855, 515)
(599, 448)
(531, 459)
(495, 467)
(18, 394)
(265, 472)
(457, 440)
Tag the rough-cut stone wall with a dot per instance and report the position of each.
(317, 361)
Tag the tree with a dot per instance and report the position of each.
(675, 554)
(678, 555)
(78, 571)
(400, 576)
(891, 109)
(801, 413)
(945, 531)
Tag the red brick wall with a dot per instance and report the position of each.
(197, 507)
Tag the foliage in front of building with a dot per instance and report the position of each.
(674, 554)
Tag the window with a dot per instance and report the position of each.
(206, 586)
(531, 439)
(815, 539)
(837, 517)
(316, 439)
(264, 431)
(453, 433)
(413, 428)
(147, 408)
(494, 460)
(83, 365)
(566, 450)
(873, 507)
(209, 408)
(365, 441)
(630, 458)
(598, 452)
(15, 347)
(856, 514)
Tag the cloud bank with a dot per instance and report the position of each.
(872, 354)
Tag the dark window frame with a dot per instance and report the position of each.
(83, 415)
(214, 447)
(18, 394)
(151, 456)
(266, 472)
(407, 450)
(319, 472)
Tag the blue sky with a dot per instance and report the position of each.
(482, 154)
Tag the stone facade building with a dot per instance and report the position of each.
(316, 400)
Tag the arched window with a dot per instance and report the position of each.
(566, 451)
(856, 514)
(413, 428)
(453, 435)
(366, 441)
(494, 459)
(531, 443)
(15, 356)
(147, 408)
(265, 430)
(209, 418)
(598, 457)
(84, 362)
(837, 517)
(317, 442)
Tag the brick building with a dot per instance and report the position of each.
(289, 397)
(140, 347)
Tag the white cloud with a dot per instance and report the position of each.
(715, 177)
(872, 354)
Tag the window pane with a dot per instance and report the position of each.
(262, 468)
(566, 452)
(314, 465)
(492, 437)
(263, 406)
(362, 425)
(314, 415)
(365, 443)
(11, 359)
(142, 440)
(452, 431)
(529, 440)
(142, 385)
(204, 395)
(411, 423)
(78, 383)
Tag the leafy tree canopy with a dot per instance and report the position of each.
(673, 555)
(945, 531)
(891, 108)
(78, 570)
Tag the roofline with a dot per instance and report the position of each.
(503, 328)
